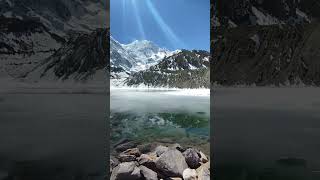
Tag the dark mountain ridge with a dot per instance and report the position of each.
(81, 56)
(284, 52)
(267, 55)
(185, 69)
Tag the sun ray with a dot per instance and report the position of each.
(138, 18)
(169, 33)
(124, 14)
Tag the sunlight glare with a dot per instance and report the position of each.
(171, 36)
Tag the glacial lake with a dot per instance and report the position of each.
(266, 133)
(169, 116)
(52, 135)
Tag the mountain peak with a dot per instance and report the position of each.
(141, 44)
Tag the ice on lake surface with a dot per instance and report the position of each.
(155, 115)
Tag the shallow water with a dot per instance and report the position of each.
(159, 115)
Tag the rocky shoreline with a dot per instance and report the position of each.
(153, 161)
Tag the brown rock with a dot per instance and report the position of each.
(148, 161)
(133, 151)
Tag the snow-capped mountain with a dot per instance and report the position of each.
(145, 53)
(133, 57)
(119, 57)
(143, 63)
(184, 69)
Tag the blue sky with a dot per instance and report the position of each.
(172, 24)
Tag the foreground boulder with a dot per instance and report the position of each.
(190, 174)
(171, 163)
(147, 161)
(204, 171)
(126, 158)
(160, 150)
(113, 163)
(203, 157)
(148, 174)
(124, 145)
(126, 171)
(133, 151)
(192, 158)
(129, 155)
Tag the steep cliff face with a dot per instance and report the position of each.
(66, 36)
(259, 42)
(267, 55)
(23, 44)
(80, 58)
(59, 15)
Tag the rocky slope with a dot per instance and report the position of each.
(24, 43)
(282, 53)
(120, 59)
(267, 55)
(44, 39)
(185, 69)
(80, 58)
(58, 15)
(232, 13)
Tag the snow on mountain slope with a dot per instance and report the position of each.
(82, 58)
(59, 15)
(34, 30)
(261, 18)
(145, 53)
(134, 57)
(185, 69)
(234, 13)
(23, 44)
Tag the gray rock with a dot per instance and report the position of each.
(126, 171)
(120, 147)
(203, 157)
(161, 149)
(190, 174)
(148, 174)
(192, 158)
(113, 162)
(204, 171)
(171, 163)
